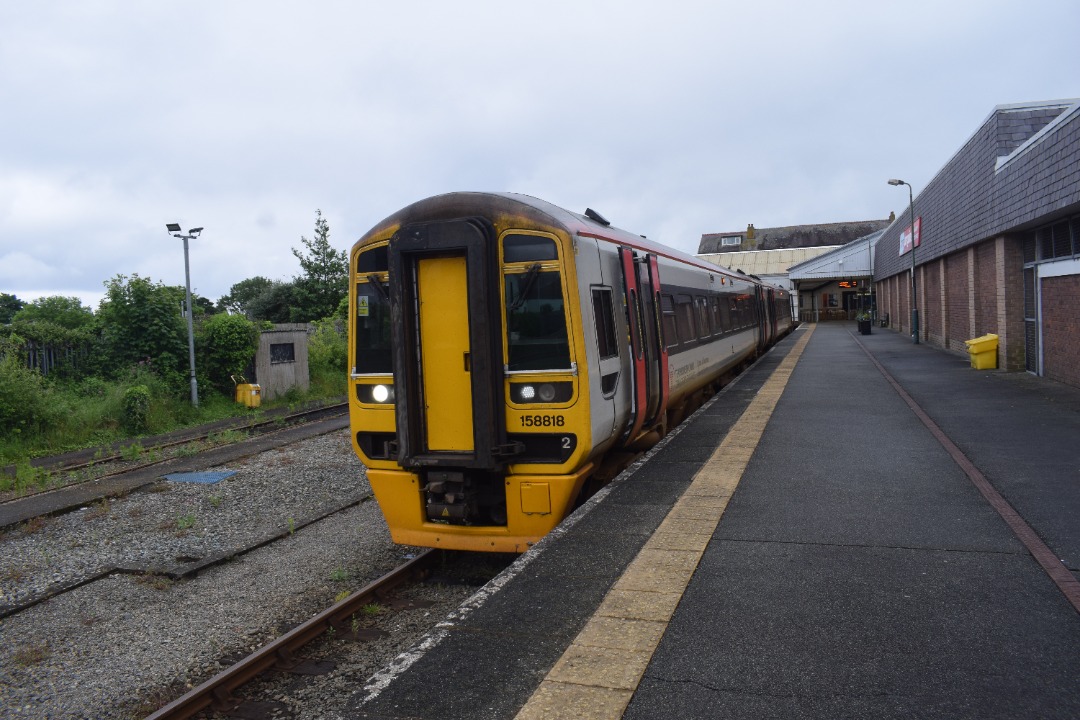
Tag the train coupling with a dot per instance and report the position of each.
(459, 497)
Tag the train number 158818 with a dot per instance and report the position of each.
(542, 421)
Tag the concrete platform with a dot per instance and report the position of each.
(849, 567)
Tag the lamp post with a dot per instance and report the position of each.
(174, 230)
(914, 288)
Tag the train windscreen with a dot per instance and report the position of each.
(372, 328)
(536, 337)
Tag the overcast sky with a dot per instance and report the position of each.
(671, 118)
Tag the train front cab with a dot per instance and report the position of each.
(473, 429)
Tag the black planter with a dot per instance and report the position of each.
(864, 326)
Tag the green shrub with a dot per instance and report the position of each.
(226, 345)
(136, 409)
(24, 394)
(328, 357)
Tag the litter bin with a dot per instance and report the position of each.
(983, 351)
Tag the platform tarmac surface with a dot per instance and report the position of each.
(853, 568)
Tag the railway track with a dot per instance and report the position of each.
(119, 451)
(79, 491)
(219, 693)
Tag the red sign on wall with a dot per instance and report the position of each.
(905, 236)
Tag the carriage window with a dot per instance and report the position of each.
(714, 315)
(528, 248)
(723, 311)
(684, 317)
(701, 304)
(605, 322)
(372, 328)
(536, 337)
(671, 334)
(376, 259)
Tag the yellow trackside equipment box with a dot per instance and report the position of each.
(983, 351)
(249, 395)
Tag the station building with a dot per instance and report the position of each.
(995, 246)
(769, 254)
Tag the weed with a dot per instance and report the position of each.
(98, 510)
(185, 522)
(158, 582)
(26, 476)
(189, 450)
(226, 437)
(215, 501)
(372, 609)
(341, 596)
(131, 452)
(32, 654)
(339, 575)
(14, 574)
(292, 526)
(355, 625)
(36, 524)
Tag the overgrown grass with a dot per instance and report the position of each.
(94, 419)
(72, 415)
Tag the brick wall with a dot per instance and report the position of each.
(986, 289)
(1010, 320)
(956, 300)
(1061, 329)
(929, 316)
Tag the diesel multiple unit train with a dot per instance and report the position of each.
(505, 352)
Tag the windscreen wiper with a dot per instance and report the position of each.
(374, 280)
(530, 278)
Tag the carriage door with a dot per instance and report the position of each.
(641, 282)
(443, 315)
(656, 355)
(443, 297)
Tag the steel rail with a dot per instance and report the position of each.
(260, 427)
(217, 692)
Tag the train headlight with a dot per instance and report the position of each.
(547, 393)
(382, 394)
(544, 392)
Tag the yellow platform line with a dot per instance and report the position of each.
(598, 674)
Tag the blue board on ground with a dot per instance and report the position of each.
(206, 478)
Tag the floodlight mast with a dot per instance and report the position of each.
(174, 230)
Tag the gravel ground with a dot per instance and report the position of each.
(115, 647)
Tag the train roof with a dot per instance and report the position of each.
(590, 224)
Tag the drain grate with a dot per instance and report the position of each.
(206, 478)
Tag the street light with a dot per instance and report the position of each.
(914, 288)
(174, 230)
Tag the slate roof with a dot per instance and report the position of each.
(1019, 169)
(792, 236)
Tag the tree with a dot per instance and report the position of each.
(275, 304)
(325, 275)
(67, 312)
(226, 345)
(243, 293)
(141, 324)
(9, 305)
